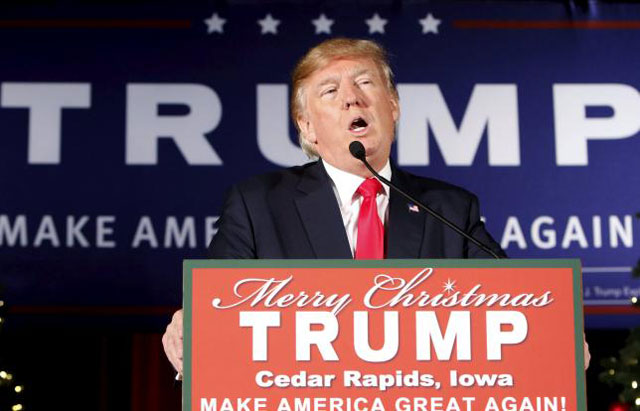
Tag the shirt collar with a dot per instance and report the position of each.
(346, 183)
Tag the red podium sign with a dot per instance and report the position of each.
(403, 335)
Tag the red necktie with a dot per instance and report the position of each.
(370, 243)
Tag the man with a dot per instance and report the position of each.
(342, 90)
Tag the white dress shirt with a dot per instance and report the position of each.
(344, 187)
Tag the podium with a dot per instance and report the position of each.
(383, 335)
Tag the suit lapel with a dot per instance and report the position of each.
(405, 231)
(320, 214)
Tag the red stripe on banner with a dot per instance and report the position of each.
(96, 24)
(546, 24)
(164, 310)
(89, 310)
(611, 309)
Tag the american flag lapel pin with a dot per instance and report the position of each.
(413, 208)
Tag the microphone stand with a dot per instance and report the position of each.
(357, 150)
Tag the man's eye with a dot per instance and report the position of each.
(364, 82)
(329, 91)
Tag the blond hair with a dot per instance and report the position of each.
(321, 55)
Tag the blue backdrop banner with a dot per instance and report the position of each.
(122, 127)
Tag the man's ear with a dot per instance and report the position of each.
(395, 109)
(306, 128)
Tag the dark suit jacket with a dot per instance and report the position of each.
(294, 213)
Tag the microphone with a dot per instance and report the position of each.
(357, 150)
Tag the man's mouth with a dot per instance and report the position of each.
(358, 125)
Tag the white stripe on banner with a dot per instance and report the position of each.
(606, 269)
(608, 302)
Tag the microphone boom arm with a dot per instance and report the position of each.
(357, 150)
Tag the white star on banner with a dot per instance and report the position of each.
(214, 24)
(323, 24)
(268, 24)
(376, 24)
(430, 24)
(449, 286)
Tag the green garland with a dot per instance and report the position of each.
(624, 370)
(11, 393)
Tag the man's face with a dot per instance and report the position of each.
(349, 100)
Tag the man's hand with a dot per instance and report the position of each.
(172, 341)
(587, 355)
